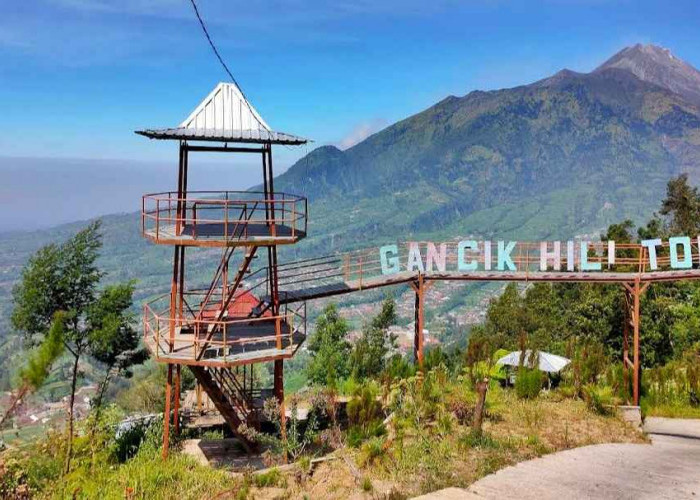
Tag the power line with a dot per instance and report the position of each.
(221, 60)
(211, 44)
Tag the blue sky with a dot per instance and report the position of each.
(78, 76)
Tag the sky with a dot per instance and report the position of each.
(77, 77)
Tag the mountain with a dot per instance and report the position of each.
(568, 154)
(564, 156)
(658, 66)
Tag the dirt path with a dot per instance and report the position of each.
(669, 468)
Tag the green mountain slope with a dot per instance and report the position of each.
(567, 154)
(563, 156)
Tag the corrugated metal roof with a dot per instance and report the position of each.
(244, 136)
(224, 116)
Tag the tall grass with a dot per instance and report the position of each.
(674, 389)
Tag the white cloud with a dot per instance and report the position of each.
(361, 132)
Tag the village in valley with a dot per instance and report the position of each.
(366, 251)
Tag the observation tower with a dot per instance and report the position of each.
(221, 330)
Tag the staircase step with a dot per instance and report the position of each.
(217, 385)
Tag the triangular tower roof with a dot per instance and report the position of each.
(225, 115)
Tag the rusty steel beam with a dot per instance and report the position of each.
(166, 413)
(176, 402)
(633, 294)
(636, 389)
(279, 395)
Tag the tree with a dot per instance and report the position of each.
(113, 340)
(63, 278)
(329, 349)
(369, 355)
(33, 374)
(682, 206)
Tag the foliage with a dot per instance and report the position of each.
(599, 399)
(43, 357)
(682, 204)
(370, 352)
(114, 341)
(675, 385)
(588, 362)
(528, 383)
(365, 415)
(58, 278)
(146, 392)
(272, 477)
(63, 279)
(142, 474)
(293, 438)
(329, 349)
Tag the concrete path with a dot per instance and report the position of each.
(669, 468)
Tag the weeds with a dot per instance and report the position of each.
(272, 477)
(528, 383)
(474, 439)
(599, 399)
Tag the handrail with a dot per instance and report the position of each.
(235, 216)
(157, 323)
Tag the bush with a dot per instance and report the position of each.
(675, 386)
(528, 383)
(615, 378)
(273, 477)
(462, 409)
(358, 434)
(372, 451)
(598, 399)
(474, 439)
(365, 415)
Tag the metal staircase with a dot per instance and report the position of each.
(225, 327)
(232, 399)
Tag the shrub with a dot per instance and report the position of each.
(567, 391)
(598, 399)
(462, 409)
(528, 383)
(534, 442)
(358, 434)
(272, 477)
(372, 451)
(365, 415)
(474, 439)
(588, 363)
(364, 408)
(615, 378)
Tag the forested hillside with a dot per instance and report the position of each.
(564, 156)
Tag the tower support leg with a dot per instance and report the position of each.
(279, 394)
(166, 413)
(176, 402)
(419, 286)
(634, 293)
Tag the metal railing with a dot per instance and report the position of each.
(222, 216)
(629, 258)
(362, 268)
(183, 336)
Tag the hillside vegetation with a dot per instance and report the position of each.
(568, 155)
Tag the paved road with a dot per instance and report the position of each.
(669, 468)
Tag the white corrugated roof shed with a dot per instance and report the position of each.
(224, 115)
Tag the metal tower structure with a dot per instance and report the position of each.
(222, 330)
